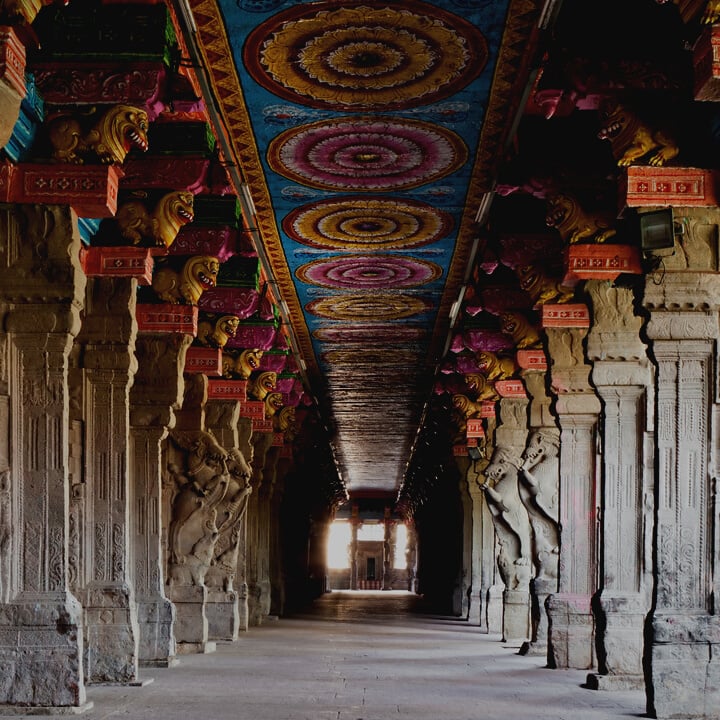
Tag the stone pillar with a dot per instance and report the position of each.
(354, 525)
(41, 293)
(245, 446)
(410, 557)
(155, 396)
(387, 555)
(108, 340)
(683, 674)
(571, 637)
(222, 609)
(623, 379)
(512, 526)
(463, 463)
(539, 481)
(258, 555)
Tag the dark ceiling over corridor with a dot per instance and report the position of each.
(425, 177)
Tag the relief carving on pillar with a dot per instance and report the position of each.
(6, 530)
(509, 516)
(539, 479)
(230, 514)
(198, 480)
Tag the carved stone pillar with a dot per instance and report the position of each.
(41, 292)
(387, 555)
(623, 379)
(258, 550)
(684, 663)
(410, 558)
(222, 609)
(512, 525)
(354, 525)
(571, 632)
(108, 341)
(155, 396)
(463, 463)
(539, 480)
(245, 446)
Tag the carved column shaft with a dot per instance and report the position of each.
(108, 336)
(354, 525)
(155, 395)
(42, 285)
(571, 633)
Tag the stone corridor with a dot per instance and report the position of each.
(362, 656)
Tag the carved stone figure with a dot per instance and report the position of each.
(539, 493)
(214, 331)
(273, 403)
(494, 366)
(480, 386)
(230, 513)
(574, 224)
(261, 384)
(632, 139)
(516, 325)
(542, 288)
(161, 225)
(509, 516)
(241, 366)
(197, 275)
(201, 482)
(110, 137)
(284, 421)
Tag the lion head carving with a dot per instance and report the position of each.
(197, 275)
(216, 331)
(261, 384)
(541, 288)
(495, 367)
(516, 325)
(572, 222)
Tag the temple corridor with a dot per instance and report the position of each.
(357, 655)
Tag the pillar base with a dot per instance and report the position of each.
(111, 646)
(494, 612)
(516, 616)
(18, 710)
(156, 621)
(571, 632)
(475, 609)
(41, 649)
(222, 615)
(199, 648)
(595, 681)
(191, 624)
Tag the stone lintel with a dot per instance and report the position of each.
(167, 318)
(65, 82)
(166, 171)
(262, 426)
(128, 262)
(565, 315)
(204, 360)
(648, 186)
(252, 409)
(219, 242)
(91, 190)
(220, 389)
(600, 262)
(621, 374)
(532, 360)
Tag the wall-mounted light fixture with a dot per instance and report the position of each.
(657, 230)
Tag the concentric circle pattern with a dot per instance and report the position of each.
(369, 272)
(370, 334)
(366, 154)
(369, 307)
(366, 57)
(367, 224)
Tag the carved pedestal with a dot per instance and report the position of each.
(191, 625)
(684, 667)
(41, 632)
(621, 374)
(571, 625)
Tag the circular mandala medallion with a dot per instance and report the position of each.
(366, 154)
(365, 57)
(367, 224)
(370, 334)
(369, 272)
(369, 307)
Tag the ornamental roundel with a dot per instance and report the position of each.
(366, 57)
(370, 334)
(367, 224)
(369, 272)
(369, 307)
(366, 154)
(380, 357)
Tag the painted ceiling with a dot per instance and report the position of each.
(368, 135)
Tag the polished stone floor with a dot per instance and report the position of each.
(363, 656)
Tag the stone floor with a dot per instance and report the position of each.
(362, 656)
